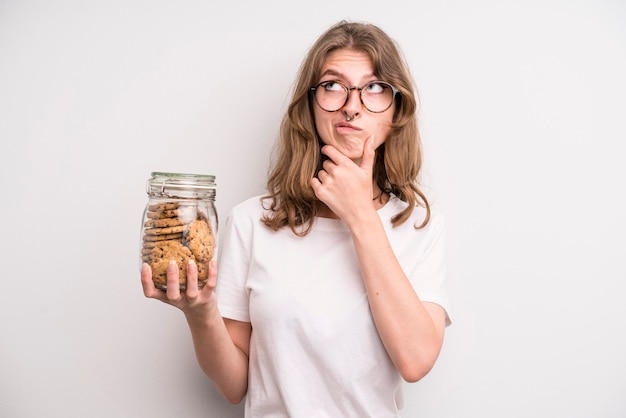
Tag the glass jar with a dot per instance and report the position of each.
(179, 223)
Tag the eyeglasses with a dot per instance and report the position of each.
(376, 96)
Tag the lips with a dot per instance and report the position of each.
(346, 125)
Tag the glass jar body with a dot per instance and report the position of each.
(179, 223)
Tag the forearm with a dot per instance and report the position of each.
(407, 329)
(218, 356)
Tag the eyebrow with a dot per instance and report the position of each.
(335, 73)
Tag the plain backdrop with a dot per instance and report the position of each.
(522, 116)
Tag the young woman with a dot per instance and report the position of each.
(331, 286)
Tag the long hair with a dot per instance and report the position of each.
(398, 160)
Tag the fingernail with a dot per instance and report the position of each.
(192, 261)
(172, 265)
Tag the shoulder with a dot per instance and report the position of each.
(418, 215)
(251, 207)
(249, 204)
(247, 214)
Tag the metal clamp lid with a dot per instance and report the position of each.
(181, 185)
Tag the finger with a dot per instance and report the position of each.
(322, 175)
(146, 281)
(316, 184)
(173, 281)
(212, 276)
(334, 155)
(369, 154)
(192, 279)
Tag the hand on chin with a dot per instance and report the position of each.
(351, 147)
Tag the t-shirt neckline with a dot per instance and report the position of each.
(385, 212)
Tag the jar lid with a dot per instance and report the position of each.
(181, 185)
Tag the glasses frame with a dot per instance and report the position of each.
(349, 90)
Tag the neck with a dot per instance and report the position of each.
(324, 211)
(379, 200)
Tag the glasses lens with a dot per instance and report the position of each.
(331, 96)
(377, 96)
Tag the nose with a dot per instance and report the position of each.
(353, 104)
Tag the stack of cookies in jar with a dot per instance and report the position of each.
(178, 231)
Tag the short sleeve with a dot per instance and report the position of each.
(428, 278)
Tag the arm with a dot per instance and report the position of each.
(221, 345)
(411, 330)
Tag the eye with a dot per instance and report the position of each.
(332, 86)
(375, 87)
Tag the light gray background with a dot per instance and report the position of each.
(522, 116)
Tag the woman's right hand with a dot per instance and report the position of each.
(193, 302)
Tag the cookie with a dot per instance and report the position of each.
(152, 244)
(162, 223)
(158, 207)
(164, 231)
(166, 237)
(203, 274)
(185, 212)
(200, 240)
(159, 258)
(163, 214)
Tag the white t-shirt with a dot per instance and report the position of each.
(314, 349)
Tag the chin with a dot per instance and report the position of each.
(351, 147)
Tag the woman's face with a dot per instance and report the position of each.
(353, 69)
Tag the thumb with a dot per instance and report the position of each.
(369, 154)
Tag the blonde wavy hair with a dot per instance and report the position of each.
(398, 160)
